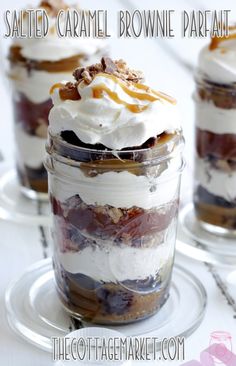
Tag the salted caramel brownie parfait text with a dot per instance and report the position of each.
(114, 162)
(215, 198)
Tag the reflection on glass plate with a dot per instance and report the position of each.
(36, 314)
(14, 206)
(197, 243)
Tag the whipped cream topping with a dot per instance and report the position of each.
(55, 48)
(36, 84)
(215, 181)
(214, 119)
(219, 64)
(114, 113)
(27, 144)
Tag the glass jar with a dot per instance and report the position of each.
(114, 227)
(215, 162)
(31, 82)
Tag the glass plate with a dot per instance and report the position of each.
(36, 314)
(14, 206)
(197, 243)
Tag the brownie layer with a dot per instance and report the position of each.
(119, 224)
(66, 64)
(32, 115)
(33, 119)
(204, 196)
(78, 226)
(220, 146)
(108, 303)
(68, 142)
(222, 96)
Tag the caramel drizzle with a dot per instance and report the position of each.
(215, 41)
(150, 94)
(56, 86)
(99, 90)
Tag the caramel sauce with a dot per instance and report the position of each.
(150, 95)
(102, 166)
(100, 89)
(215, 41)
(66, 64)
(56, 86)
(164, 138)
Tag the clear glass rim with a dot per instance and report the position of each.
(158, 153)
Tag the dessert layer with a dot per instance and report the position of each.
(33, 117)
(220, 146)
(111, 110)
(107, 303)
(125, 188)
(216, 181)
(111, 263)
(222, 96)
(35, 179)
(52, 47)
(36, 84)
(214, 119)
(127, 226)
(213, 214)
(218, 64)
(31, 148)
(203, 196)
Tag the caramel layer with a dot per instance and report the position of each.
(215, 215)
(221, 96)
(66, 64)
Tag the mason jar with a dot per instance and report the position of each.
(31, 82)
(215, 161)
(114, 227)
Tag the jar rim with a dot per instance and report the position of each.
(177, 141)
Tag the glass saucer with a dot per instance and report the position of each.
(36, 314)
(197, 243)
(14, 206)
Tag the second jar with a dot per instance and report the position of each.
(215, 168)
(35, 65)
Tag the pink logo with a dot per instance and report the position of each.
(219, 351)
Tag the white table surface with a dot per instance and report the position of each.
(164, 63)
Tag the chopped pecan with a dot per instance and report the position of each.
(107, 65)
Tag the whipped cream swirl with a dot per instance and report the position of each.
(219, 64)
(114, 113)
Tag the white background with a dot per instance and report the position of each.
(164, 64)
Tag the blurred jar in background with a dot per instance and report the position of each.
(215, 105)
(35, 65)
